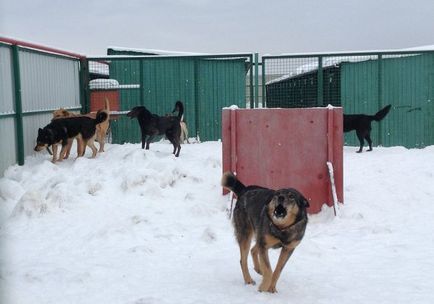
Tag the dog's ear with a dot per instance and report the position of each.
(65, 113)
(301, 200)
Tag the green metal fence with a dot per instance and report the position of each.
(360, 83)
(205, 84)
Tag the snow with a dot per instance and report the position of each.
(135, 226)
(101, 83)
(101, 68)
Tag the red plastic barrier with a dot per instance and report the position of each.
(97, 99)
(286, 148)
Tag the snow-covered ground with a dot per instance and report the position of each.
(145, 227)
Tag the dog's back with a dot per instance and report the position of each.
(363, 121)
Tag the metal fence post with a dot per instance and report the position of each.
(84, 85)
(320, 89)
(264, 100)
(256, 79)
(251, 83)
(18, 105)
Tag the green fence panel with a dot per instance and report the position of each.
(222, 84)
(204, 85)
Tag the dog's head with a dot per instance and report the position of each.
(45, 138)
(138, 111)
(286, 206)
(61, 113)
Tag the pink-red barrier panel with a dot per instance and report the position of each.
(286, 148)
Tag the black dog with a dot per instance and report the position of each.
(277, 219)
(152, 125)
(64, 130)
(362, 124)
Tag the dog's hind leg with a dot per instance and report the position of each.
(285, 254)
(360, 136)
(255, 255)
(91, 144)
(244, 253)
(369, 140)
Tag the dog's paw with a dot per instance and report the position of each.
(263, 288)
(272, 289)
(250, 282)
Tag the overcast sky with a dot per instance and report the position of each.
(222, 26)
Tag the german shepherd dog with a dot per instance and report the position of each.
(101, 128)
(152, 125)
(63, 131)
(276, 218)
(362, 124)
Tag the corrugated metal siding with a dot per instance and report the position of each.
(8, 147)
(48, 82)
(407, 84)
(204, 86)
(6, 81)
(31, 124)
(8, 154)
(126, 72)
(222, 84)
(359, 94)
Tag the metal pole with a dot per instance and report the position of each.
(256, 80)
(251, 83)
(320, 84)
(84, 85)
(18, 105)
(264, 99)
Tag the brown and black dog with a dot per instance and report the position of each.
(63, 131)
(275, 218)
(101, 128)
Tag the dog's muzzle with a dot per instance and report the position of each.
(280, 211)
(39, 147)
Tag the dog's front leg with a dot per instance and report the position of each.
(54, 153)
(264, 263)
(285, 254)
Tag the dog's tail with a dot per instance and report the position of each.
(230, 182)
(107, 105)
(179, 106)
(100, 117)
(382, 113)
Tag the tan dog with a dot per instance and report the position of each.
(101, 128)
(184, 132)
